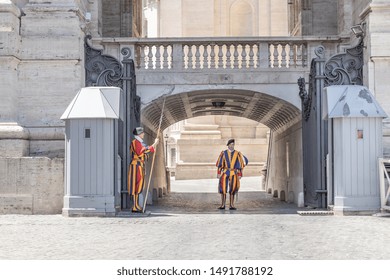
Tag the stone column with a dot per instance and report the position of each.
(13, 137)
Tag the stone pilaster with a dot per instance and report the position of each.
(41, 69)
(51, 70)
(345, 20)
(13, 137)
(9, 59)
(377, 16)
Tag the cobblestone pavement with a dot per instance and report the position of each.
(189, 226)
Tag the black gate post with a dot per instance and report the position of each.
(314, 134)
(340, 69)
(105, 70)
(132, 119)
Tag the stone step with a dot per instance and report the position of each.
(315, 213)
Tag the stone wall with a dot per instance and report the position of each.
(9, 59)
(120, 18)
(344, 17)
(314, 17)
(111, 18)
(285, 175)
(324, 18)
(208, 18)
(159, 181)
(41, 70)
(31, 185)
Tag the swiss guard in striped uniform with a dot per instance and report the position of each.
(139, 152)
(230, 164)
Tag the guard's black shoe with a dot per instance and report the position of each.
(221, 207)
(232, 208)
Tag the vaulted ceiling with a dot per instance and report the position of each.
(268, 110)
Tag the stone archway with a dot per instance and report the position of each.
(281, 117)
(261, 107)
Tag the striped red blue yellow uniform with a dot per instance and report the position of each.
(136, 175)
(230, 166)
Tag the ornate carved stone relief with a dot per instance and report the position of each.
(101, 69)
(345, 68)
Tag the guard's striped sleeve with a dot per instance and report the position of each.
(219, 163)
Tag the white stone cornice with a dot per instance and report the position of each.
(375, 6)
(56, 6)
(13, 131)
(6, 6)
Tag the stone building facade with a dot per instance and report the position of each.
(42, 68)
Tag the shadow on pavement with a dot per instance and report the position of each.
(207, 203)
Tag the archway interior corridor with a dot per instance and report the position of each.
(201, 195)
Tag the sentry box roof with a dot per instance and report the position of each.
(350, 101)
(95, 103)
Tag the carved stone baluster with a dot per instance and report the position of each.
(185, 57)
(283, 62)
(235, 55)
(197, 57)
(243, 57)
(150, 57)
(205, 57)
(270, 59)
(212, 56)
(291, 56)
(220, 56)
(251, 55)
(276, 56)
(190, 57)
(228, 57)
(165, 57)
(158, 57)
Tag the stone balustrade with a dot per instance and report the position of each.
(222, 55)
(188, 54)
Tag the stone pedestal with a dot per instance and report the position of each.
(13, 140)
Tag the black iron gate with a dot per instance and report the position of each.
(105, 70)
(341, 69)
(313, 134)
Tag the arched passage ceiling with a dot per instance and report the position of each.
(268, 110)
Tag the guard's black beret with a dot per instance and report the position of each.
(230, 141)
